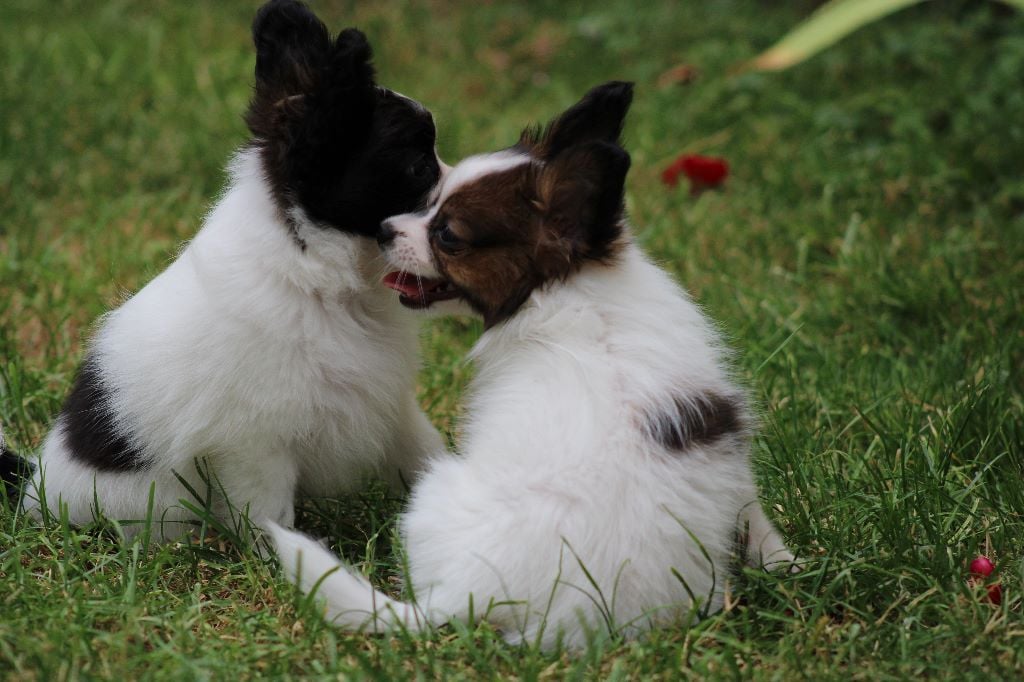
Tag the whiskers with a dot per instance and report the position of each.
(403, 264)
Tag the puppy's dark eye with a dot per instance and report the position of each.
(420, 169)
(447, 241)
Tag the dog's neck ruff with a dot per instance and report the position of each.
(559, 309)
(246, 236)
(601, 302)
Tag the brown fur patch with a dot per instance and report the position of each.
(499, 237)
(684, 422)
(518, 229)
(504, 252)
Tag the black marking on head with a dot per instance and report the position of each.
(90, 431)
(394, 170)
(333, 143)
(15, 471)
(684, 420)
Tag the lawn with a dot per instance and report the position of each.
(865, 258)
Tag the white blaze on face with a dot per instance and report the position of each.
(475, 167)
(410, 249)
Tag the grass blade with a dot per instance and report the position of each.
(832, 22)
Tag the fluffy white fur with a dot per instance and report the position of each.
(558, 476)
(281, 370)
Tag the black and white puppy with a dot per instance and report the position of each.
(267, 354)
(605, 471)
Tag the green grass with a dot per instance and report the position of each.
(866, 259)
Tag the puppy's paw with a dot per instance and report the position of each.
(781, 560)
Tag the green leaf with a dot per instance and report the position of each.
(832, 22)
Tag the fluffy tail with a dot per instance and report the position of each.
(15, 471)
(352, 602)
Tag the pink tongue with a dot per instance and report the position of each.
(409, 284)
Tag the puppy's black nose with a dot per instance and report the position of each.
(386, 234)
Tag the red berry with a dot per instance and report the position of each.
(981, 569)
(982, 566)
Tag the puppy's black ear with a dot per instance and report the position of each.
(313, 103)
(304, 80)
(598, 117)
(292, 47)
(581, 195)
(348, 91)
(350, 60)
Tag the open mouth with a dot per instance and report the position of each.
(419, 292)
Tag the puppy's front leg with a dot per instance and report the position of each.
(765, 546)
(259, 483)
(415, 441)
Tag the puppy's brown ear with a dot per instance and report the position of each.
(598, 117)
(581, 195)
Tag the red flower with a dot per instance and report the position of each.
(703, 172)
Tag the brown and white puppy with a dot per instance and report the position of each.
(605, 460)
(507, 222)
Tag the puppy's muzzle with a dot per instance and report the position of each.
(386, 234)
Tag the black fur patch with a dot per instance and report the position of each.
(700, 420)
(347, 152)
(89, 427)
(14, 472)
